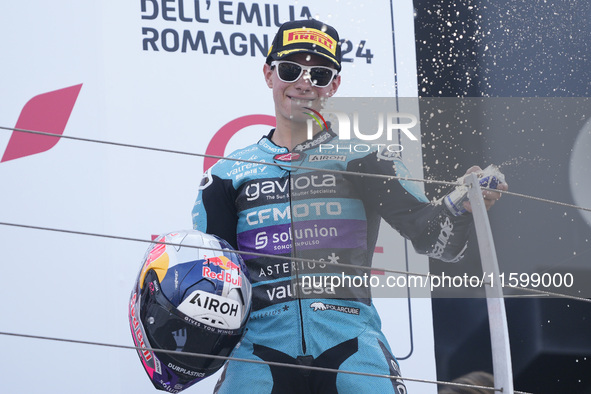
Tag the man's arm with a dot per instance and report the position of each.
(214, 211)
(430, 226)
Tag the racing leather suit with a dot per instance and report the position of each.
(316, 213)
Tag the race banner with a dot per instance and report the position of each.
(139, 91)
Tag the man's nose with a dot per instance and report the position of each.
(304, 80)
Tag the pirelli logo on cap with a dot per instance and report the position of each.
(312, 36)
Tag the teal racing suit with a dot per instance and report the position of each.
(308, 204)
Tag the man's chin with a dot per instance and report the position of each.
(304, 110)
(301, 116)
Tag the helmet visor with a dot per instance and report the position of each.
(169, 329)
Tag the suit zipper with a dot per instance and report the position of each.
(297, 279)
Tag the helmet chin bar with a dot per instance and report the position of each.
(195, 303)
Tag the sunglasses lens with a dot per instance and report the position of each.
(320, 76)
(288, 72)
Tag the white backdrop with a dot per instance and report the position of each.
(77, 287)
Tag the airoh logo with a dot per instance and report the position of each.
(46, 113)
(215, 303)
(316, 158)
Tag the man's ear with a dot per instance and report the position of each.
(334, 85)
(268, 73)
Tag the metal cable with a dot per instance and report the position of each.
(303, 260)
(547, 293)
(563, 204)
(427, 181)
(387, 177)
(273, 363)
(290, 259)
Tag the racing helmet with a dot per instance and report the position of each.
(192, 295)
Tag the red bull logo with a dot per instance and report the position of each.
(231, 273)
(223, 276)
(222, 262)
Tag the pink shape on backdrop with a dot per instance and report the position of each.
(48, 113)
(219, 141)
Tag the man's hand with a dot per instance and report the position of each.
(490, 197)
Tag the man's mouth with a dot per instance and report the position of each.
(301, 100)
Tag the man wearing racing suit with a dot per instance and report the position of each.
(270, 205)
